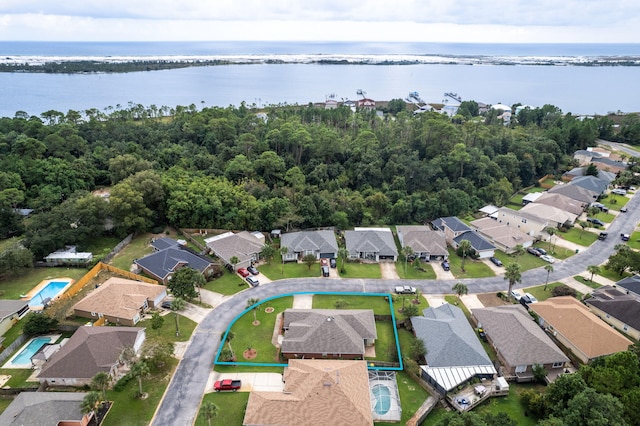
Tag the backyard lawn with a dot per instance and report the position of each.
(138, 248)
(413, 273)
(12, 287)
(473, 268)
(412, 396)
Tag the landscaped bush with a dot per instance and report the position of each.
(563, 290)
(120, 384)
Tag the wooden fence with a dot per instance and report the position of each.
(78, 285)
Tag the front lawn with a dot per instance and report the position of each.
(276, 270)
(634, 240)
(587, 282)
(15, 285)
(228, 284)
(611, 274)
(541, 294)
(167, 332)
(473, 268)
(614, 202)
(360, 270)
(247, 335)
(556, 251)
(231, 408)
(403, 300)
(526, 261)
(413, 273)
(379, 305)
(578, 236)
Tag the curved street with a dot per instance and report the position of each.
(182, 399)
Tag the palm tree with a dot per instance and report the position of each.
(584, 225)
(343, 253)
(253, 303)
(177, 305)
(209, 410)
(140, 369)
(549, 270)
(551, 231)
(90, 402)
(283, 252)
(593, 269)
(100, 382)
(465, 249)
(518, 250)
(513, 273)
(406, 252)
(234, 261)
(460, 289)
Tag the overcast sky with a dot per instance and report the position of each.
(507, 21)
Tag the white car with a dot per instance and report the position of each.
(405, 290)
(516, 295)
(548, 258)
(529, 298)
(619, 191)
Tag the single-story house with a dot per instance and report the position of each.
(553, 215)
(120, 301)
(371, 244)
(170, 256)
(454, 353)
(592, 183)
(69, 256)
(630, 284)
(519, 342)
(10, 312)
(609, 165)
(617, 308)
(46, 408)
(316, 393)
(426, 243)
(246, 246)
(562, 202)
(327, 333)
(578, 329)
(451, 226)
(321, 244)
(89, 351)
(481, 245)
(576, 192)
(584, 156)
(527, 223)
(503, 236)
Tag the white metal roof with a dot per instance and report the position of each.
(450, 377)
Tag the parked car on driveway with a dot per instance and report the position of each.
(167, 304)
(325, 271)
(243, 272)
(548, 258)
(333, 262)
(253, 281)
(495, 261)
(324, 262)
(445, 265)
(528, 298)
(516, 295)
(595, 221)
(253, 270)
(541, 250)
(619, 191)
(533, 251)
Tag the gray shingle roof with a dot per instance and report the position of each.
(89, 351)
(576, 192)
(448, 337)
(619, 305)
(630, 283)
(327, 330)
(518, 338)
(244, 245)
(591, 183)
(10, 307)
(164, 243)
(477, 242)
(421, 238)
(323, 241)
(164, 262)
(369, 240)
(43, 408)
(451, 222)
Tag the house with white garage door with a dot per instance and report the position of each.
(374, 244)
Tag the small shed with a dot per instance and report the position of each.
(276, 233)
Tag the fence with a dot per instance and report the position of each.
(192, 240)
(122, 244)
(12, 347)
(78, 285)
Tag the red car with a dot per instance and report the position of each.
(243, 272)
(324, 262)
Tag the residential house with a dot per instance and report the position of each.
(617, 308)
(246, 246)
(609, 165)
(321, 244)
(331, 104)
(89, 351)
(562, 202)
(531, 197)
(504, 113)
(502, 236)
(488, 210)
(10, 312)
(46, 408)
(451, 226)
(454, 353)
(367, 103)
(527, 223)
(327, 333)
(630, 284)
(578, 193)
(594, 184)
(481, 245)
(569, 175)
(316, 393)
(426, 243)
(68, 256)
(120, 301)
(578, 329)
(373, 244)
(555, 216)
(171, 255)
(519, 342)
(584, 157)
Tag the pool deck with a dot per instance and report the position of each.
(35, 290)
(10, 364)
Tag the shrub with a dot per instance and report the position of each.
(39, 324)
(120, 384)
(563, 290)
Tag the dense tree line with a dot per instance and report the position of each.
(293, 167)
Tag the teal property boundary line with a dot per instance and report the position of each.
(266, 364)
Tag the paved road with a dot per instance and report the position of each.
(182, 398)
(620, 147)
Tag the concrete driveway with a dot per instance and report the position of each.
(388, 271)
(441, 274)
(267, 382)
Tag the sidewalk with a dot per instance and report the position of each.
(576, 285)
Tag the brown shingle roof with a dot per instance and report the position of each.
(581, 327)
(89, 351)
(119, 297)
(316, 393)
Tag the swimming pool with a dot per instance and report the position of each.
(50, 291)
(24, 357)
(383, 399)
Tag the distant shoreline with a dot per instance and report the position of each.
(123, 64)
